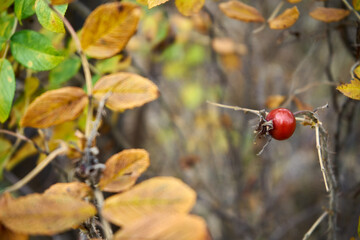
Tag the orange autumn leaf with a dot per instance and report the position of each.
(329, 14)
(154, 3)
(73, 189)
(294, 1)
(241, 11)
(351, 90)
(60, 2)
(39, 214)
(55, 107)
(274, 101)
(163, 226)
(286, 19)
(122, 170)
(189, 7)
(128, 90)
(159, 194)
(108, 29)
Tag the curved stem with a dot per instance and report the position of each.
(85, 65)
(37, 169)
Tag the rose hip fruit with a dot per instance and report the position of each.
(284, 123)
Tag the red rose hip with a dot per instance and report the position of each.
(284, 123)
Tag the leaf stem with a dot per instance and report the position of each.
(85, 65)
(22, 137)
(272, 16)
(8, 41)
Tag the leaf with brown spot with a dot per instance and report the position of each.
(165, 226)
(38, 214)
(241, 11)
(189, 7)
(108, 29)
(60, 2)
(159, 194)
(329, 14)
(55, 107)
(128, 90)
(154, 3)
(74, 189)
(351, 90)
(286, 19)
(122, 170)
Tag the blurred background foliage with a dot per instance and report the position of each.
(208, 56)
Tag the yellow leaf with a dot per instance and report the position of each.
(286, 19)
(142, 2)
(356, 4)
(45, 214)
(55, 107)
(60, 2)
(189, 7)
(128, 90)
(274, 101)
(241, 11)
(74, 189)
(164, 226)
(329, 14)
(154, 3)
(351, 90)
(159, 194)
(122, 170)
(294, 1)
(108, 29)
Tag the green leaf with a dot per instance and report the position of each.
(7, 88)
(48, 18)
(24, 8)
(7, 22)
(34, 51)
(4, 4)
(64, 71)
